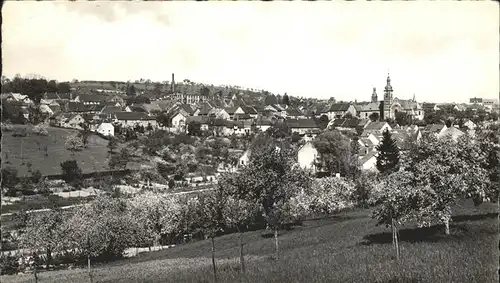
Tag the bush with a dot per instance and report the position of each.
(363, 189)
(41, 130)
(7, 127)
(71, 173)
(9, 265)
(20, 132)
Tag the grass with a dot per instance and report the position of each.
(19, 151)
(41, 202)
(345, 248)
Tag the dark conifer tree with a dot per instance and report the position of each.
(388, 154)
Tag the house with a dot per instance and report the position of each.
(369, 161)
(377, 127)
(149, 108)
(106, 129)
(203, 121)
(92, 99)
(294, 113)
(469, 125)
(436, 129)
(263, 124)
(219, 113)
(66, 96)
(276, 109)
(249, 110)
(243, 127)
(303, 126)
(230, 111)
(73, 121)
(339, 110)
(430, 107)
(451, 132)
(186, 110)
(79, 107)
(131, 119)
(244, 159)
(307, 156)
(221, 127)
(367, 110)
(17, 97)
(178, 120)
(345, 123)
(108, 111)
(44, 108)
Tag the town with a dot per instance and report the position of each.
(72, 143)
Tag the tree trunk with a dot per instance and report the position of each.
(242, 257)
(49, 257)
(395, 238)
(447, 226)
(276, 242)
(89, 268)
(213, 259)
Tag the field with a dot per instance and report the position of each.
(19, 151)
(345, 248)
(41, 202)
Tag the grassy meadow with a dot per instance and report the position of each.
(19, 151)
(345, 248)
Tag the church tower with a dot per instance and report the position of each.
(388, 98)
(374, 95)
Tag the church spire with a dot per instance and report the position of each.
(374, 95)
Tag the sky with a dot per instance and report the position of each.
(440, 51)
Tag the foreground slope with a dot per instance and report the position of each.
(346, 248)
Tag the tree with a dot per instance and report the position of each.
(41, 129)
(103, 228)
(158, 213)
(270, 99)
(36, 177)
(63, 87)
(334, 152)
(374, 116)
(402, 119)
(9, 177)
(163, 120)
(271, 180)
(74, 143)
(44, 232)
(331, 195)
(393, 197)
(131, 91)
(204, 91)
(119, 160)
(71, 173)
(194, 128)
(446, 171)
(279, 130)
(381, 110)
(85, 133)
(286, 99)
(323, 122)
(388, 154)
(112, 144)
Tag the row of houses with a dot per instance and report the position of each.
(372, 136)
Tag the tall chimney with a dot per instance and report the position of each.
(172, 84)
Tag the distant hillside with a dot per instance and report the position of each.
(185, 87)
